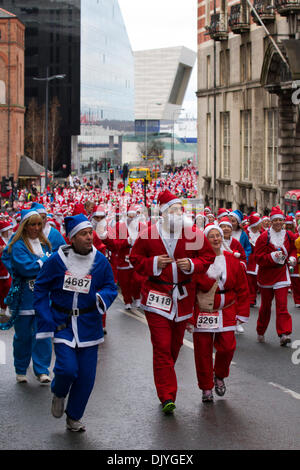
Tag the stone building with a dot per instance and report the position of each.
(11, 93)
(248, 125)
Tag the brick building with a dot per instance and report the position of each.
(248, 126)
(11, 93)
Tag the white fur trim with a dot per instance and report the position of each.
(82, 226)
(169, 204)
(29, 214)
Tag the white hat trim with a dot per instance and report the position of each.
(277, 216)
(169, 204)
(81, 226)
(255, 224)
(29, 214)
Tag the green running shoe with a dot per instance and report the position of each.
(168, 406)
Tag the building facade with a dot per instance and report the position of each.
(87, 42)
(247, 122)
(11, 93)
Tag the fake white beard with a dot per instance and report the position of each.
(237, 234)
(80, 265)
(277, 238)
(253, 237)
(217, 268)
(226, 244)
(133, 227)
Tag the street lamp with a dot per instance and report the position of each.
(173, 138)
(47, 79)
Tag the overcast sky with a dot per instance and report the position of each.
(154, 24)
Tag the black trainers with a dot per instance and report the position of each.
(168, 407)
(220, 388)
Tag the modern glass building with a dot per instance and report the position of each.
(87, 41)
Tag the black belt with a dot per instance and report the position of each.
(174, 284)
(74, 312)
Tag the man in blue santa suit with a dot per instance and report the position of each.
(79, 281)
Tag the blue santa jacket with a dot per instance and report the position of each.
(86, 329)
(244, 241)
(21, 262)
(56, 239)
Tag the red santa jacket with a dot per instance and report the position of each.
(270, 272)
(170, 292)
(231, 302)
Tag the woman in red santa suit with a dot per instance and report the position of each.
(169, 253)
(272, 251)
(254, 230)
(5, 279)
(215, 326)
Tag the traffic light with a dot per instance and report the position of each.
(111, 174)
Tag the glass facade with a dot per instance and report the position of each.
(87, 41)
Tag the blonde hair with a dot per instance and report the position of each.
(21, 234)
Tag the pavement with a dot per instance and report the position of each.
(260, 410)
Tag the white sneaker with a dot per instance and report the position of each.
(75, 426)
(137, 303)
(44, 379)
(58, 406)
(239, 329)
(127, 306)
(284, 340)
(260, 338)
(21, 379)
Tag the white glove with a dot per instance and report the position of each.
(292, 261)
(278, 257)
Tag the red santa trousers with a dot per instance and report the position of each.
(167, 339)
(130, 283)
(204, 343)
(296, 289)
(283, 318)
(252, 284)
(4, 288)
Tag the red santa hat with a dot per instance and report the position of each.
(276, 213)
(207, 209)
(98, 211)
(79, 209)
(289, 219)
(254, 220)
(4, 225)
(166, 199)
(222, 212)
(209, 227)
(225, 221)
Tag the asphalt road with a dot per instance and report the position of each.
(259, 411)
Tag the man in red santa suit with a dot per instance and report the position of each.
(5, 279)
(169, 254)
(272, 251)
(253, 231)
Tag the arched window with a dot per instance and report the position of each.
(2, 92)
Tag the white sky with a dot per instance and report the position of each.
(154, 24)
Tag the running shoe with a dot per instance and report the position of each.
(44, 379)
(284, 340)
(21, 379)
(220, 388)
(207, 396)
(168, 406)
(58, 406)
(260, 338)
(75, 426)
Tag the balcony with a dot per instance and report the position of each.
(286, 7)
(218, 27)
(265, 9)
(239, 18)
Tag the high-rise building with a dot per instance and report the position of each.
(87, 41)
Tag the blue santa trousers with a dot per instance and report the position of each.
(27, 347)
(74, 374)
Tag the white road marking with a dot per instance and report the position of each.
(286, 390)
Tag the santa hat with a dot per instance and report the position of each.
(207, 209)
(225, 221)
(238, 215)
(276, 213)
(254, 220)
(26, 213)
(166, 199)
(131, 210)
(4, 226)
(222, 212)
(79, 209)
(209, 227)
(75, 223)
(289, 219)
(99, 211)
(265, 217)
(38, 208)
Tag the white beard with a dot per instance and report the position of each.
(277, 238)
(253, 237)
(217, 268)
(80, 265)
(133, 228)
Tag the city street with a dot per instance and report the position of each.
(259, 411)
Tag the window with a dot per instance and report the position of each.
(208, 144)
(245, 145)
(271, 145)
(208, 72)
(225, 144)
(245, 62)
(207, 12)
(224, 67)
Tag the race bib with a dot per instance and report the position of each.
(77, 284)
(159, 300)
(208, 320)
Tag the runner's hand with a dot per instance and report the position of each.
(163, 261)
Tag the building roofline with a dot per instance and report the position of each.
(6, 14)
